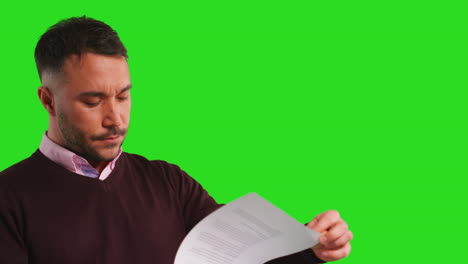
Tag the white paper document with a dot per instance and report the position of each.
(249, 230)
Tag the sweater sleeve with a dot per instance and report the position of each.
(196, 203)
(194, 200)
(12, 246)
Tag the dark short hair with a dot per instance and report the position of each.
(75, 36)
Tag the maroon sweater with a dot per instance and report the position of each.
(139, 214)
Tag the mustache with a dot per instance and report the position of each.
(113, 132)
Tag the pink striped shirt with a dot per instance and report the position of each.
(73, 162)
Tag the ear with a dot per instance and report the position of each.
(47, 99)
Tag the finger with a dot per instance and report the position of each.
(334, 233)
(345, 238)
(326, 220)
(335, 254)
(314, 222)
(320, 244)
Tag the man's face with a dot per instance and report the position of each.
(93, 105)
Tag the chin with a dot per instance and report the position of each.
(108, 154)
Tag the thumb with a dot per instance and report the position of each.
(312, 224)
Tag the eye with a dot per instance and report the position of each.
(91, 104)
(122, 98)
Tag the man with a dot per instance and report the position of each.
(79, 198)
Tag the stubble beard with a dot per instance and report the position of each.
(75, 140)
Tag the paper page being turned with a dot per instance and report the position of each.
(249, 230)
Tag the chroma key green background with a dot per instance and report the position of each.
(357, 106)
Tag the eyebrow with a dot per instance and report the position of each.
(101, 94)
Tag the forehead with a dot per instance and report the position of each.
(95, 72)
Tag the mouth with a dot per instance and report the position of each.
(110, 140)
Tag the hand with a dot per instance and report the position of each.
(334, 243)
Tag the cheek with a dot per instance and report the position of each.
(87, 120)
(126, 113)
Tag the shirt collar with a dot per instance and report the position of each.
(72, 161)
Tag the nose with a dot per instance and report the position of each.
(112, 115)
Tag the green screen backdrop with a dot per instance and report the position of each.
(357, 106)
